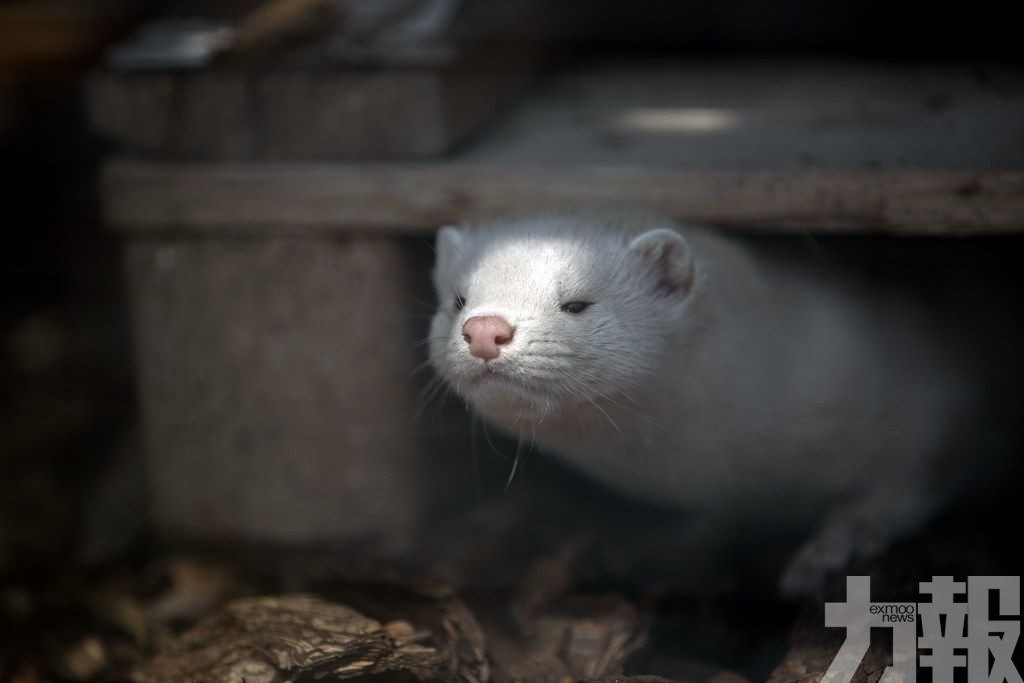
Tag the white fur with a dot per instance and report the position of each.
(747, 389)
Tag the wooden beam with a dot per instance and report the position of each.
(394, 197)
(302, 103)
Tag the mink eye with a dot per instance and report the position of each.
(460, 302)
(575, 307)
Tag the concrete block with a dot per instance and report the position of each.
(274, 380)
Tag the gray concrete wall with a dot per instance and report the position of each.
(274, 379)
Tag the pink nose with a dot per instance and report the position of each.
(486, 335)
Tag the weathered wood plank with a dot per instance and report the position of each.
(825, 146)
(313, 106)
(752, 115)
(731, 115)
(168, 196)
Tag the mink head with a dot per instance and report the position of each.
(539, 314)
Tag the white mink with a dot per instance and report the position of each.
(699, 372)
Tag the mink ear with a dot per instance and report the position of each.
(665, 254)
(450, 244)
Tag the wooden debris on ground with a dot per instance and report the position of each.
(814, 647)
(895, 577)
(570, 637)
(200, 620)
(586, 638)
(279, 638)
